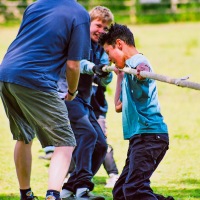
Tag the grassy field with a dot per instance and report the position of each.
(173, 50)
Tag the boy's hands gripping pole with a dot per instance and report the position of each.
(146, 74)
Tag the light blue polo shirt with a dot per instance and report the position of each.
(52, 32)
(140, 107)
(97, 56)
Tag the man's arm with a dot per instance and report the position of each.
(86, 67)
(72, 77)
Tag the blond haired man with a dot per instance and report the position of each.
(91, 142)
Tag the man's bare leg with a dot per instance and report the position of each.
(23, 163)
(59, 166)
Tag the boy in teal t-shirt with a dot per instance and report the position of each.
(143, 124)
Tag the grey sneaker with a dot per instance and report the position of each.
(110, 183)
(65, 194)
(87, 195)
(46, 156)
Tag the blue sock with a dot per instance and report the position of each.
(25, 194)
(53, 193)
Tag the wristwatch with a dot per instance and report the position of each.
(73, 94)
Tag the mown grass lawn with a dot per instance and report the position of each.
(173, 50)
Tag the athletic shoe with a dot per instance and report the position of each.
(30, 196)
(87, 195)
(66, 193)
(111, 180)
(46, 156)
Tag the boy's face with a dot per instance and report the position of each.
(97, 27)
(115, 55)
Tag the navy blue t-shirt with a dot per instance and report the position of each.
(52, 32)
(98, 98)
(85, 80)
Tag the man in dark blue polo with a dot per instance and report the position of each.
(91, 143)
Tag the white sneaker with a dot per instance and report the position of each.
(46, 156)
(111, 180)
(81, 191)
(66, 193)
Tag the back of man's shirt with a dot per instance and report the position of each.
(49, 36)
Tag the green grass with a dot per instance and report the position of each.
(173, 50)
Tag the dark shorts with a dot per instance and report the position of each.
(32, 112)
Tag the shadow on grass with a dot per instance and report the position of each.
(12, 196)
(179, 193)
(191, 190)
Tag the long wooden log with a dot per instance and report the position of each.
(176, 81)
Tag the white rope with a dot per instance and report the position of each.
(176, 81)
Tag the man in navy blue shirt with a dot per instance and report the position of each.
(91, 143)
(48, 40)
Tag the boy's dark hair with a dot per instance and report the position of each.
(117, 31)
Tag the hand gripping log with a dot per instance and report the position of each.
(176, 81)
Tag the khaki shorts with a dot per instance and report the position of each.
(32, 112)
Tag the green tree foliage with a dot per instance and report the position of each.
(125, 11)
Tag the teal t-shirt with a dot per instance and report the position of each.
(140, 107)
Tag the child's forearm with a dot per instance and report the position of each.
(118, 103)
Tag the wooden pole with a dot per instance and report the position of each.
(176, 81)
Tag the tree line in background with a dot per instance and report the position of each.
(125, 11)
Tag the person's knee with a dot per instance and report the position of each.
(89, 135)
